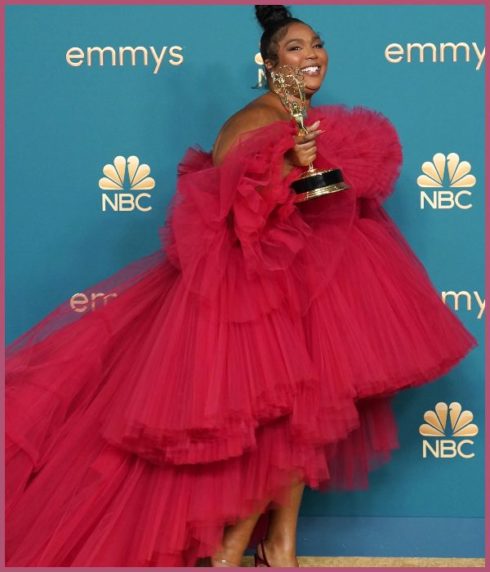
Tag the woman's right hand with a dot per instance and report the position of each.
(304, 151)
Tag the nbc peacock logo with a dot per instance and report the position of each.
(261, 77)
(449, 428)
(449, 179)
(127, 183)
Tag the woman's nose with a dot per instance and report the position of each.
(310, 54)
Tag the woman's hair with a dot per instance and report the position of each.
(274, 20)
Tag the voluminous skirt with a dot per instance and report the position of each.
(263, 343)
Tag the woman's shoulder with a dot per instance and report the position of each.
(254, 115)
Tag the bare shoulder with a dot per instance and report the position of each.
(250, 117)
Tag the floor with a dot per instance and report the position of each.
(344, 562)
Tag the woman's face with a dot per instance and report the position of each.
(301, 47)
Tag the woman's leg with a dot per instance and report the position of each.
(280, 542)
(235, 540)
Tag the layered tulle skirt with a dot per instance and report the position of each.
(257, 348)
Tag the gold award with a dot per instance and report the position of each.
(288, 84)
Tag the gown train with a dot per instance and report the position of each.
(263, 342)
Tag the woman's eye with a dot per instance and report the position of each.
(319, 45)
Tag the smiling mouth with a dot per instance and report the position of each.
(311, 70)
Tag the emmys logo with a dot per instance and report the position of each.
(431, 53)
(470, 299)
(446, 171)
(444, 446)
(261, 79)
(124, 56)
(81, 303)
(126, 180)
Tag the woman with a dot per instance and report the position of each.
(286, 40)
(256, 353)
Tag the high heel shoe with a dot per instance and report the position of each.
(222, 561)
(261, 561)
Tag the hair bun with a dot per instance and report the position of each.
(269, 15)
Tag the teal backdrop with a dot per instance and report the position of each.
(66, 119)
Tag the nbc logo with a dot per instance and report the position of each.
(446, 171)
(126, 180)
(261, 78)
(446, 423)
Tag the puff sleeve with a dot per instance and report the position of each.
(237, 218)
(364, 144)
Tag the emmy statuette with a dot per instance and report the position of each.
(288, 84)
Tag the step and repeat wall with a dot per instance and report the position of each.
(94, 90)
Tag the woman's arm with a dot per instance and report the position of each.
(248, 119)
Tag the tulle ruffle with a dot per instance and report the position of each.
(364, 144)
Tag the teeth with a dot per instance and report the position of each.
(310, 68)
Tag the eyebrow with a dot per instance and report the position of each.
(317, 37)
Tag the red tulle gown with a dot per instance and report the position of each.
(262, 343)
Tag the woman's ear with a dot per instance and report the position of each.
(268, 65)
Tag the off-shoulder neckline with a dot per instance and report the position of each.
(249, 133)
(246, 134)
(313, 111)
